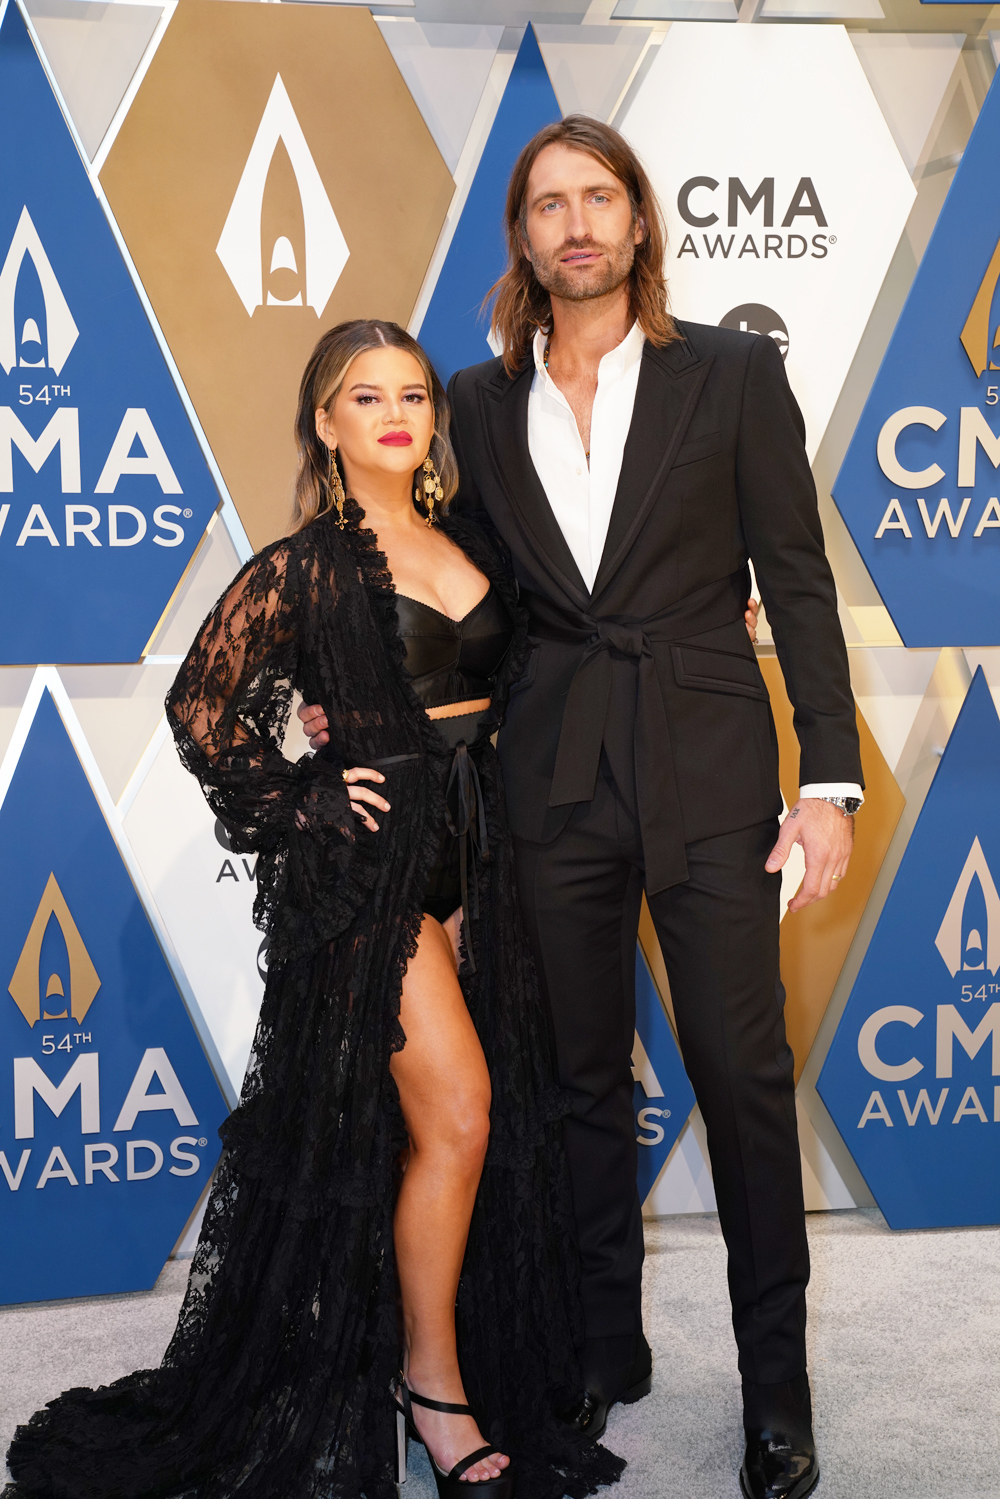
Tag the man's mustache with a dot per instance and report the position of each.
(579, 244)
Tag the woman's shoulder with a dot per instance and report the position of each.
(287, 568)
(317, 541)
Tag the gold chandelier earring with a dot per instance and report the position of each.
(433, 493)
(335, 485)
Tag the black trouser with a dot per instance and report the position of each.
(581, 895)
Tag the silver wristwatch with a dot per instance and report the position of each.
(849, 805)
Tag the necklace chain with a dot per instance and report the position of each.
(545, 361)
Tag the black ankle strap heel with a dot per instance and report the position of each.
(402, 1443)
(449, 1485)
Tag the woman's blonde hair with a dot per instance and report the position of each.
(521, 304)
(321, 382)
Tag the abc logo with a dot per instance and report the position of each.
(754, 317)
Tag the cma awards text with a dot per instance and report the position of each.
(794, 246)
(803, 203)
(100, 1159)
(974, 433)
(950, 1028)
(32, 1083)
(119, 525)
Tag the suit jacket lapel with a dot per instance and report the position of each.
(504, 407)
(670, 382)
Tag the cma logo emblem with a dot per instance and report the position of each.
(963, 945)
(701, 213)
(976, 334)
(24, 347)
(239, 246)
(25, 987)
(804, 203)
(968, 940)
(126, 526)
(974, 433)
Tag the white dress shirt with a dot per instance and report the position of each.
(582, 494)
(582, 498)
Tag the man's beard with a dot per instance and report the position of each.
(582, 286)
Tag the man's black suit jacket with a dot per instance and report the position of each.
(714, 473)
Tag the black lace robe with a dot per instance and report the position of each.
(277, 1382)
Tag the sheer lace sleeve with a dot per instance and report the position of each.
(228, 709)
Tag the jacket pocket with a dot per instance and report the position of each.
(710, 670)
(698, 447)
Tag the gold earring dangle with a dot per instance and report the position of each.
(433, 493)
(336, 487)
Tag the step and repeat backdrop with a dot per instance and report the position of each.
(191, 192)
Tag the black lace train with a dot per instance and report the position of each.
(276, 1383)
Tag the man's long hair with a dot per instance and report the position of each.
(521, 304)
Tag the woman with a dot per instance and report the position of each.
(398, 1130)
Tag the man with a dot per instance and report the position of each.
(633, 465)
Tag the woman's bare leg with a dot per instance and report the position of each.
(444, 1089)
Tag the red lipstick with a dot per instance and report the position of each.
(396, 439)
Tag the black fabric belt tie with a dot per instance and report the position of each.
(465, 818)
(621, 643)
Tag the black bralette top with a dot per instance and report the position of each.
(454, 660)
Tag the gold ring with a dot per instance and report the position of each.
(345, 775)
(836, 877)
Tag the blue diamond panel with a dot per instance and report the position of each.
(662, 1096)
(918, 487)
(912, 1079)
(454, 330)
(109, 1109)
(104, 491)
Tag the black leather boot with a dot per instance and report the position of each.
(780, 1460)
(616, 1371)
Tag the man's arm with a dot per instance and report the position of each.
(783, 532)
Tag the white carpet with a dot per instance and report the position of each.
(905, 1356)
